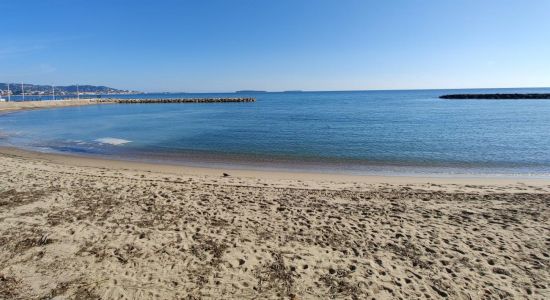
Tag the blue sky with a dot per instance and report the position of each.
(208, 46)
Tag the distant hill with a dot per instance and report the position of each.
(249, 92)
(34, 89)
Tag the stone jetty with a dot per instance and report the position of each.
(177, 100)
(25, 105)
(495, 96)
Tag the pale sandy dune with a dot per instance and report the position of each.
(89, 229)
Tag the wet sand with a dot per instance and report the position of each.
(84, 228)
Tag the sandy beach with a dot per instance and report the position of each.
(26, 105)
(83, 228)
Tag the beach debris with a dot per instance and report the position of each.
(43, 240)
(9, 287)
(275, 276)
(226, 175)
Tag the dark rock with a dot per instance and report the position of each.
(495, 96)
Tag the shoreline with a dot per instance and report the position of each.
(161, 167)
(14, 106)
(43, 104)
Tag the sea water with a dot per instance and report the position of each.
(360, 132)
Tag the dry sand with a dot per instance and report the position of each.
(80, 228)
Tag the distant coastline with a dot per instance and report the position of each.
(26, 89)
(249, 92)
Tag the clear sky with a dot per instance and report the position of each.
(227, 45)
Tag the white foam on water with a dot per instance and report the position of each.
(112, 141)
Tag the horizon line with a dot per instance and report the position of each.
(351, 90)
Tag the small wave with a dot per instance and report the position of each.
(112, 141)
(6, 135)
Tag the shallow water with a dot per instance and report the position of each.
(366, 132)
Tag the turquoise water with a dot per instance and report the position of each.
(366, 132)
